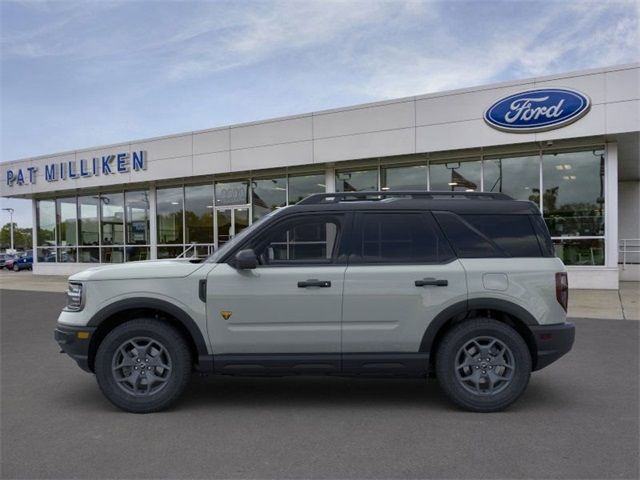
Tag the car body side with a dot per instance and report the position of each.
(518, 291)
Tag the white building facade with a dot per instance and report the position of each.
(570, 143)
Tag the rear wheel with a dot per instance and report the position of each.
(483, 365)
(143, 366)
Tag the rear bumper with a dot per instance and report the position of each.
(552, 342)
(74, 345)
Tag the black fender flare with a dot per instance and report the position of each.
(461, 309)
(154, 304)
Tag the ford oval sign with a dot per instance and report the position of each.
(537, 110)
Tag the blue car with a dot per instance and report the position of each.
(23, 262)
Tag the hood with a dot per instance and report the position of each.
(174, 268)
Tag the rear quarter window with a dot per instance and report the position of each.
(514, 234)
(491, 235)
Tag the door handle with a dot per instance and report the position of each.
(314, 283)
(431, 281)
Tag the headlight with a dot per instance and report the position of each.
(75, 298)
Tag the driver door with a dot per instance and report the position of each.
(291, 303)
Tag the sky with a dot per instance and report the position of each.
(78, 74)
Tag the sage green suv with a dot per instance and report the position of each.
(461, 286)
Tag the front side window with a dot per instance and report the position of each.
(399, 237)
(301, 240)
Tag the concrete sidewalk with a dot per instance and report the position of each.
(623, 304)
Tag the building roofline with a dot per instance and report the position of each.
(445, 93)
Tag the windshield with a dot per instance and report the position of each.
(222, 251)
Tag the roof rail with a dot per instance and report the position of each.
(336, 197)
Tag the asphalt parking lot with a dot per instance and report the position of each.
(578, 418)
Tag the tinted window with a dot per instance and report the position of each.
(467, 241)
(301, 241)
(398, 237)
(512, 233)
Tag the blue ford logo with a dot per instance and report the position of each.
(537, 110)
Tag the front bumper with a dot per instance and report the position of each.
(552, 342)
(75, 341)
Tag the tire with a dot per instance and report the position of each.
(16, 268)
(471, 381)
(147, 348)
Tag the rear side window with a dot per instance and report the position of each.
(400, 237)
(512, 233)
(467, 241)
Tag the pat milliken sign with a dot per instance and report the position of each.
(537, 110)
(115, 164)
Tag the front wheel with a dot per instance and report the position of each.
(16, 268)
(483, 365)
(143, 366)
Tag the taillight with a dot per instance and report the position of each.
(562, 289)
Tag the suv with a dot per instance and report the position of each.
(461, 286)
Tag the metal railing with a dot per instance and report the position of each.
(205, 250)
(629, 247)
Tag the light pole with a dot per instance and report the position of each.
(10, 210)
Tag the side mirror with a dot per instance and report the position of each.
(246, 260)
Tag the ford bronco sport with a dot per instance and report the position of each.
(461, 286)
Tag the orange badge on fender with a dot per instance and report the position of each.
(226, 314)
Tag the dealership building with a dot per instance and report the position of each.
(570, 143)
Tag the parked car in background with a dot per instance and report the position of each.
(6, 257)
(8, 261)
(23, 262)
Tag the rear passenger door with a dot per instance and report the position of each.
(401, 274)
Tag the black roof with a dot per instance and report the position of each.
(457, 202)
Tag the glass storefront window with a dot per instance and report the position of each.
(268, 194)
(357, 181)
(46, 222)
(518, 177)
(232, 193)
(169, 202)
(580, 251)
(135, 254)
(169, 252)
(88, 254)
(112, 255)
(198, 213)
(573, 198)
(404, 178)
(301, 186)
(67, 218)
(455, 176)
(112, 218)
(46, 254)
(137, 217)
(88, 221)
(67, 254)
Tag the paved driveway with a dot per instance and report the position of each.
(578, 419)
